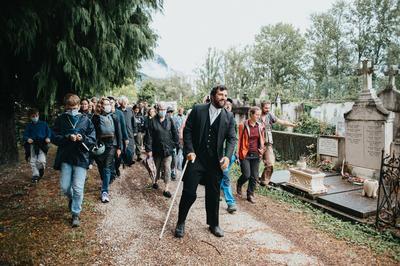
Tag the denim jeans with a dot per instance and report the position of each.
(72, 184)
(226, 184)
(105, 163)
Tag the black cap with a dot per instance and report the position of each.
(170, 109)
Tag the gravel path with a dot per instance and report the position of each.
(267, 233)
(134, 217)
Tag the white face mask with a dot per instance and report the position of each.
(107, 108)
(73, 112)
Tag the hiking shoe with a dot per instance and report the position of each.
(35, 179)
(75, 221)
(104, 197)
(41, 172)
(167, 194)
(231, 208)
(155, 186)
(251, 198)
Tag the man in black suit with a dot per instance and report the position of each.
(209, 137)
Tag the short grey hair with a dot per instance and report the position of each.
(123, 98)
(161, 105)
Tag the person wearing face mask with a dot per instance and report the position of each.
(108, 132)
(36, 138)
(160, 141)
(74, 135)
(209, 139)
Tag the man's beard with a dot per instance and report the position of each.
(219, 104)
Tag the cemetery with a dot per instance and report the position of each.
(367, 130)
(169, 132)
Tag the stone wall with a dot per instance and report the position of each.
(291, 146)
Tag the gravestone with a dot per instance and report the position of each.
(390, 97)
(369, 129)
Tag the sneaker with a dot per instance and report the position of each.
(41, 172)
(75, 221)
(35, 179)
(117, 172)
(231, 208)
(104, 197)
(173, 176)
(90, 166)
(167, 194)
(155, 186)
(70, 204)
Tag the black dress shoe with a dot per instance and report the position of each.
(167, 194)
(217, 231)
(180, 230)
(41, 172)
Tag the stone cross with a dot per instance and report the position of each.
(391, 72)
(366, 70)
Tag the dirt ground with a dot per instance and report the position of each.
(35, 228)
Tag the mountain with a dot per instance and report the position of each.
(156, 68)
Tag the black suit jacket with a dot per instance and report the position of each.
(194, 131)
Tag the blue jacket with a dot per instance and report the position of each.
(70, 152)
(37, 131)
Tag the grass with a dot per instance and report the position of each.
(353, 233)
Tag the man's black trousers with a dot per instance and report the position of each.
(210, 176)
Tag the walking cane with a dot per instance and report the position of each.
(173, 199)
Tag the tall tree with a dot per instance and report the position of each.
(329, 49)
(374, 25)
(210, 72)
(278, 55)
(239, 72)
(48, 48)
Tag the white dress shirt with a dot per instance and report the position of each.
(214, 113)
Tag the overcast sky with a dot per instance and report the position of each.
(188, 27)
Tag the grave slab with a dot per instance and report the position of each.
(350, 202)
(279, 177)
(335, 184)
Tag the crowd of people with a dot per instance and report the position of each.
(109, 132)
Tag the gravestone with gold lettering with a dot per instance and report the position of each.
(369, 129)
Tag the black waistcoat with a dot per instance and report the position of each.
(209, 153)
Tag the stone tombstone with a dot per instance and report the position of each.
(369, 129)
(390, 98)
(328, 146)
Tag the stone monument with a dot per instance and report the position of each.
(308, 180)
(390, 97)
(369, 129)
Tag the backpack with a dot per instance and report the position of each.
(106, 126)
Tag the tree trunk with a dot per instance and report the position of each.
(8, 138)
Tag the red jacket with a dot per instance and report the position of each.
(243, 144)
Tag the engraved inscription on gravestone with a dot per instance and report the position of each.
(364, 143)
(328, 146)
